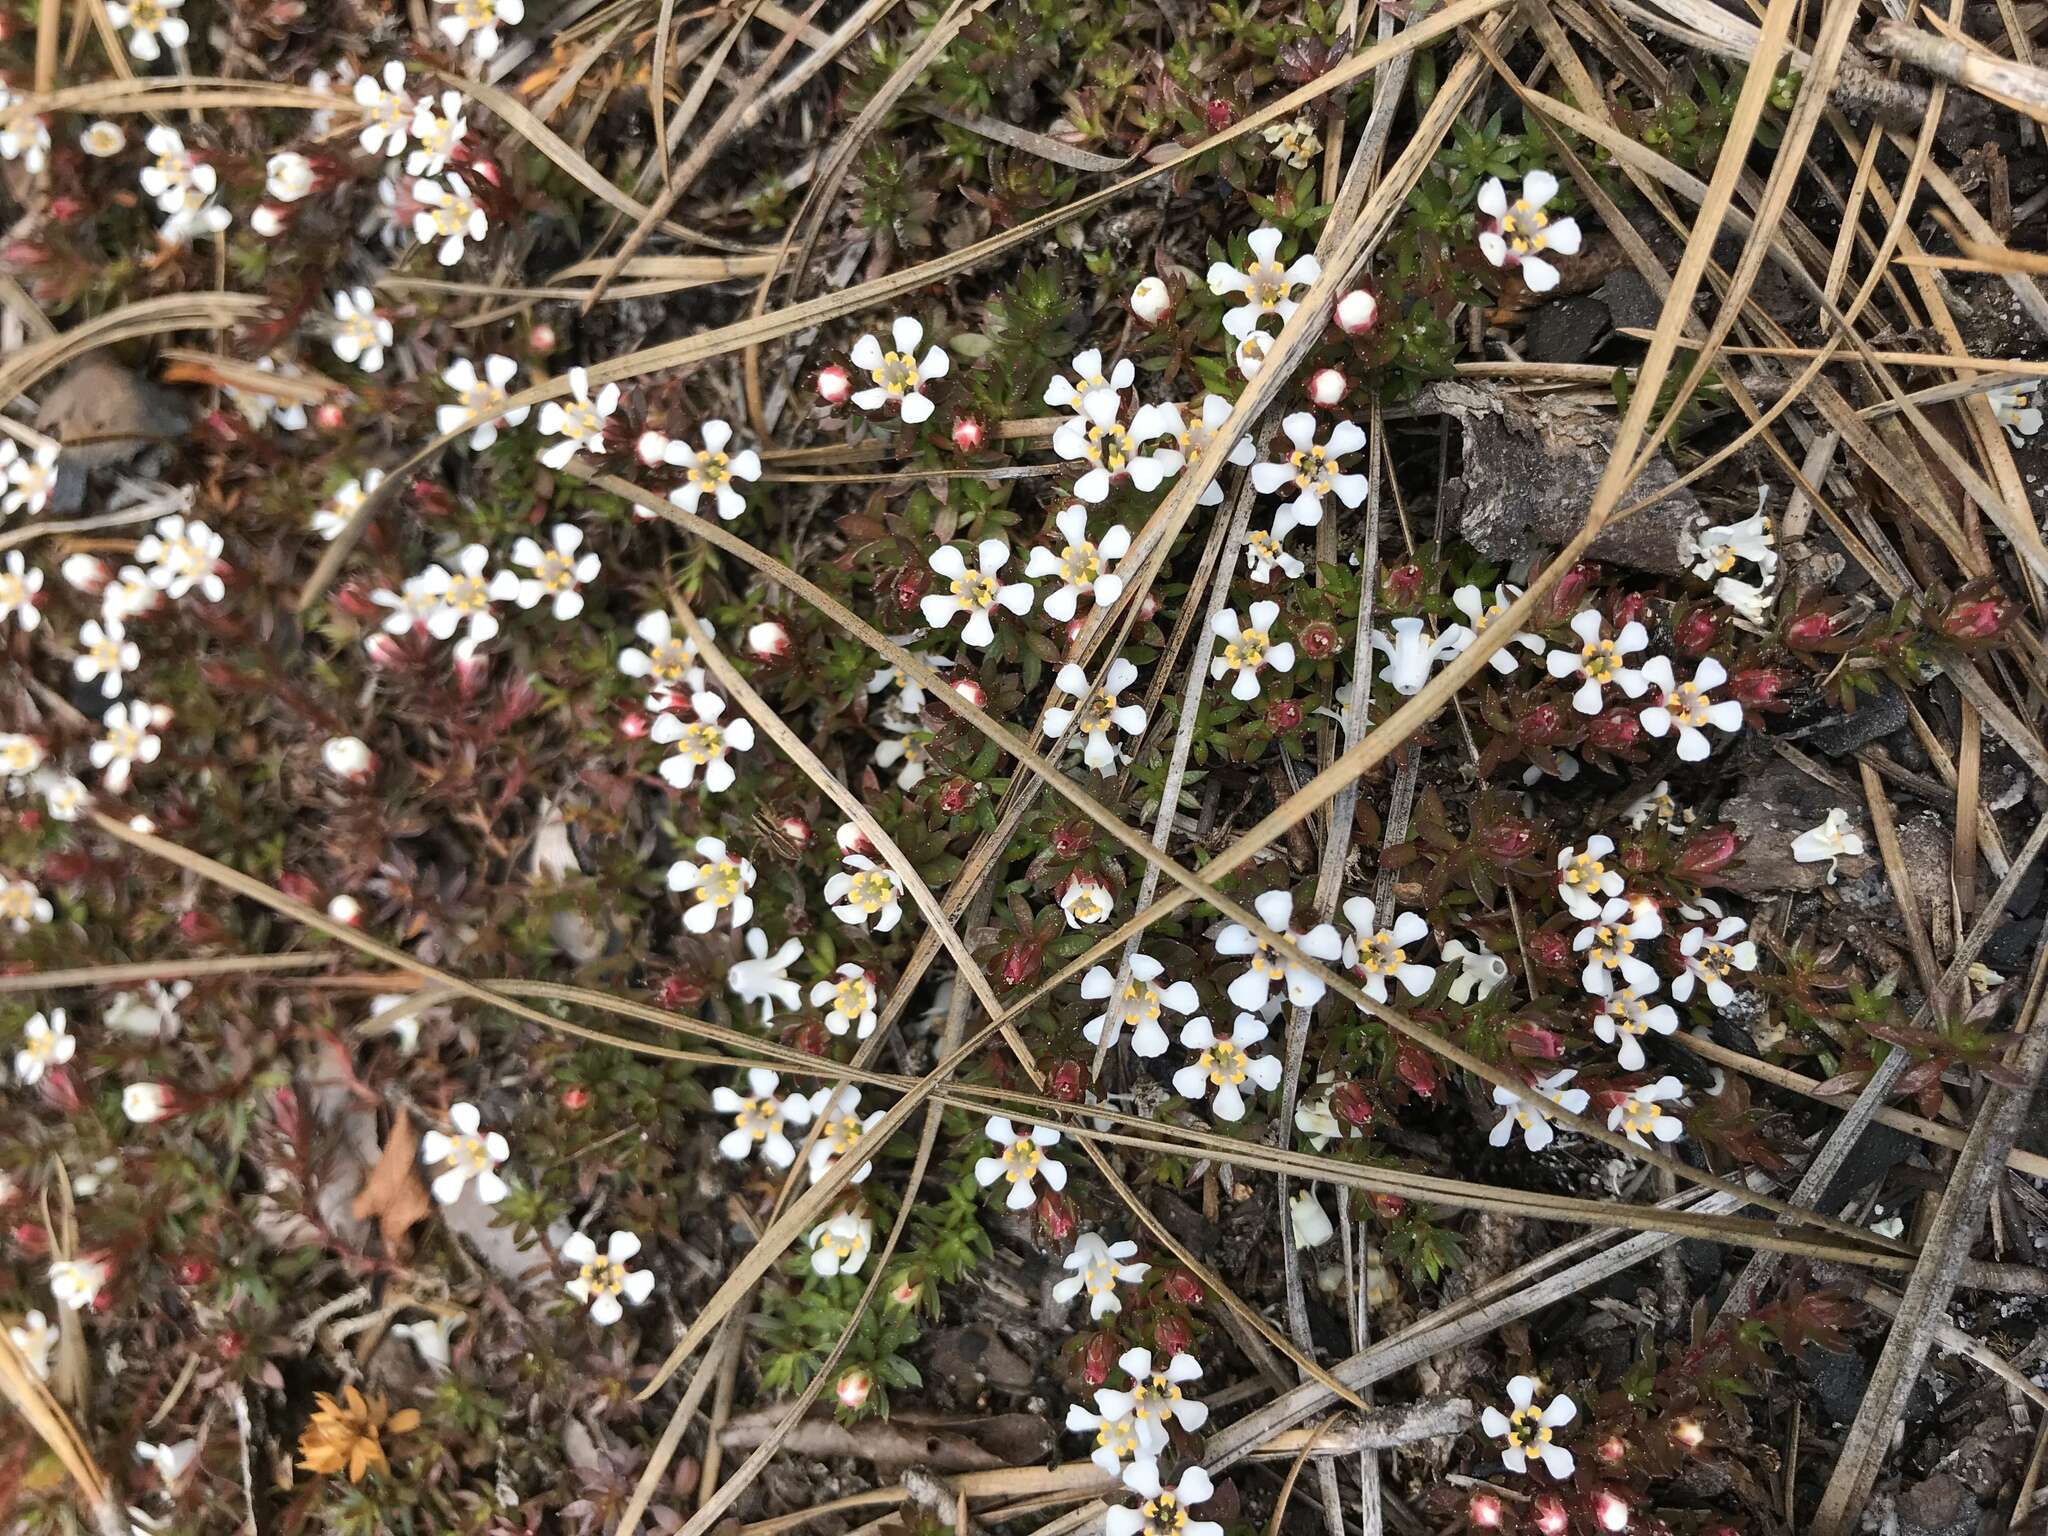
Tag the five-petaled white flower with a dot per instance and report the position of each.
(1263, 555)
(435, 134)
(1086, 901)
(1598, 661)
(1685, 707)
(710, 471)
(24, 136)
(1525, 1109)
(470, 1152)
(173, 169)
(1162, 1511)
(464, 597)
(1083, 566)
(1312, 471)
(601, 1279)
(1116, 1436)
(130, 738)
(1625, 1017)
(899, 374)
(1224, 1066)
(345, 503)
(1248, 649)
(1095, 711)
(287, 176)
(1096, 1268)
(1639, 1116)
(1518, 233)
(76, 1283)
(1155, 1396)
(1065, 394)
(1135, 1006)
(45, 1043)
(1710, 957)
(19, 585)
(1584, 882)
(759, 1118)
(558, 571)
(1479, 613)
(22, 905)
(1194, 435)
(840, 1128)
(669, 661)
(720, 883)
(2017, 408)
(1658, 804)
(704, 742)
(1529, 1430)
(181, 557)
(907, 748)
(975, 592)
(1831, 840)
(1411, 652)
(20, 756)
(849, 1002)
(1716, 550)
(361, 334)
(865, 892)
(1281, 963)
(64, 797)
(1110, 449)
(840, 1246)
(150, 24)
(579, 423)
(479, 19)
(1022, 1160)
(447, 214)
(1381, 950)
(1267, 286)
(388, 109)
(1609, 943)
(764, 978)
(31, 477)
(105, 652)
(480, 399)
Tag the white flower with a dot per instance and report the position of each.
(470, 1152)
(840, 1128)
(1164, 1511)
(431, 1339)
(1525, 1110)
(1312, 471)
(102, 139)
(24, 136)
(22, 905)
(1021, 1160)
(1095, 711)
(20, 756)
(1609, 942)
(1751, 604)
(703, 743)
(151, 1014)
(1717, 549)
(1382, 951)
(388, 109)
(2017, 408)
(1638, 1114)
(1097, 1267)
(478, 18)
(1657, 803)
(558, 571)
(173, 169)
(464, 598)
(669, 659)
(18, 588)
(1584, 882)
(758, 1119)
(602, 1278)
(849, 1002)
(1281, 963)
(1248, 649)
(1263, 555)
(1224, 1066)
(150, 24)
(1479, 613)
(1295, 144)
(1195, 435)
(1268, 287)
(1066, 395)
(181, 556)
(30, 477)
(865, 891)
(720, 883)
(450, 215)
(906, 747)
(710, 470)
(1686, 706)
(840, 1246)
(1151, 300)
(1116, 1436)
(910, 695)
(1308, 1221)
(1084, 567)
(1480, 971)
(481, 400)
(287, 176)
(436, 134)
(130, 593)
(1518, 233)
(145, 1103)
(1411, 653)
(764, 978)
(105, 652)
(1136, 1007)
(1831, 840)
(899, 375)
(975, 592)
(1110, 449)
(1529, 1431)
(347, 757)
(1709, 959)
(1598, 661)
(129, 740)
(34, 1337)
(64, 797)
(580, 423)
(1155, 1396)
(1086, 901)
(361, 334)
(413, 604)
(1624, 1018)
(45, 1043)
(75, 1283)
(1250, 353)
(348, 499)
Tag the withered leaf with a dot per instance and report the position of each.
(394, 1193)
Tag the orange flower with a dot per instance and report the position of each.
(347, 1435)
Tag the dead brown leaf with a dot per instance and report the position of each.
(394, 1193)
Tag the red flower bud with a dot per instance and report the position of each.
(679, 990)
(971, 691)
(796, 829)
(1058, 1221)
(1098, 1359)
(812, 1038)
(1618, 730)
(542, 338)
(1530, 1040)
(1219, 114)
(1709, 849)
(1759, 687)
(633, 725)
(201, 927)
(1283, 714)
(1387, 1207)
(835, 385)
(298, 887)
(1540, 726)
(1696, 630)
(1551, 950)
(1631, 607)
(1148, 608)
(1071, 839)
(1184, 1288)
(1351, 1103)
(958, 796)
(1977, 620)
(1318, 639)
(576, 1098)
(1357, 312)
(191, 1269)
(1507, 839)
(430, 498)
(1020, 962)
(1065, 1081)
(31, 1238)
(1414, 1067)
(1402, 584)
(908, 587)
(328, 416)
(968, 434)
(1172, 1335)
(1567, 598)
(1809, 631)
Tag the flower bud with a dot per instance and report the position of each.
(679, 990)
(1540, 726)
(384, 650)
(86, 573)
(146, 1103)
(1402, 584)
(346, 909)
(1976, 620)
(854, 1387)
(1020, 962)
(1148, 608)
(958, 796)
(1351, 1103)
(852, 840)
(907, 1291)
(329, 416)
(1551, 950)
(652, 448)
(576, 1098)
(542, 338)
(1506, 839)
(348, 757)
(1551, 1518)
(1326, 387)
(1173, 1335)
(1535, 1042)
(1610, 1511)
(796, 829)
(299, 887)
(971, 691)
(190, 1269)
(1612, 1449)
(1283, 715)
(1695, 631)
(1388, 1207)
(1184, 1288)
(1689, 1433)
(201, 927)
(835, 384)
(1065, 1080)
(1319, 639)
(1568, 597)
(1058, 1221)
(1759, 687)
(268, 220)
(1072, 838)
(1414, 1066)
(908, 588)
(968, 434)
(1707, 851)
(1486, 1512)
(1151, 300)
(633, 725)
(1809, 631)
(1631, 608)
(1098, 1359)
(1218, 113)
(1615, 730)
(768, 640)
(1357, 312)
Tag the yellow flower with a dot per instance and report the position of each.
(347, 1435)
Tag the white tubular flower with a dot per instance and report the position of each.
(763, 977)
(1268, 287)
(1021, 1160)
(1530, 1431)
(19, 585)
(1640, 1118)
(1086, 901)
(447, 214)
(899, 374)
(1312, 471)
(388, 109)
(287, 176)
(1657, 803)
(1116, 1436)
(1609, 945)
(1598, 661)
(151, 25)
(1223, 1067)
(479, 19)
(181, 556)
(602, 1279)
(1065, 395)
(704, 743)
(1278, 963)
(1307, 1221)
(710, 471)
(1083, 567)
(1248, 649)
(435, 134)
(45, 1043)
(1110, 449)
(1751, 604)
(1479, 613)
(558, 571)
(1411, 652)
(105, 652)
(2017, 408)
(1481, 972)
(480, 399)
(1831, 840)
(1195, 434)
(432, 1339)
(1096, 1268)
(840, 1128)
(22, 906)
(669, 658)
(840, 1246)
(907, 747)
(1518, 233)
(470, 1153)
(129, 739)
(464, 597)
(31, 477)
(720, 883)
(1154, 1397)
(1716, 550)
(759, 1119)
(1263, 556)
(1136, 1007)
(1095, 711)
(1162, 1511)
(865, 892)
(579, 423)
(1584, 882)
(361, 334)
(850, 1002)
(1710, 957)
(1381, 950)
(341, 508)
(1526, 1110)
(76, 1283)
(975, 592)
(35, 1337)
(1624, 1018)
(1685, 707)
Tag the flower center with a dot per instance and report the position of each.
(13, 590)
(124, 740)
(1687, 704)
(470, 1151)
(554, 572)
(1381, 956)
(871, 891)
(850, 997)
(1584, 873)
(1266, 284)
(1087, 906)
(976, 591)
(468, 594)
(105, 655)
(1225, 1064)
(580, 420)
(1638, 1116)
(1095, 711)
(1526, 1432)
(604, 1276)
(1524, 227)
(1269, 962)
(1140, 1003)
(145, 15)
(1714, 961)
(1599, 661)
(1021, 1159)
(1611, 945)
(1079, 564)
(1312, 468)
(757, 1117)
(16, 902)
(669, 661)
(701, 742)
(897, 373)
(1164, 1516)
(1248, 651)
(720, 883)
(483, 398)
(452, 217)
(1110, 446)
(711, 470)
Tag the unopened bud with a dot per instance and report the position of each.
(835, 385)
(652, 448)
(1357, 312)
(768, 640)
(968, 434)
(1326, 386)
(1151, 300)
(854, 1387)
(348, 757)
(346, 909)
(144, 1103)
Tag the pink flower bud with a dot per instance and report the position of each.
(796, 829)
(1173, 1335)
(852, 840)
(144, 1103)
(384, 650)
(1151, 301)
(633, 725)
(1551, 1518)
(907, 1292)
(854, 1387)
(768, 640)
(971, 691)
(1486, 1512)
(346, 909)
(652, 449)
(86, 573)
(1689, 1433)
(835, 384)
(1357, 312)
(268, 220)
(1326, 386)
(1610, 1511)
(347, 757)
(968, 434)
(329, 417)
(542, 338)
